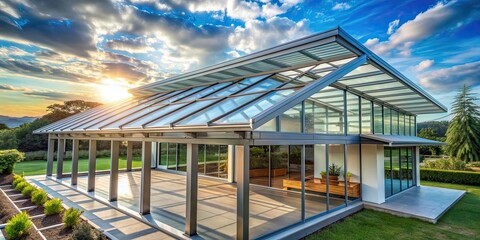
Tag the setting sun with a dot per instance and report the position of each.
(114, 90)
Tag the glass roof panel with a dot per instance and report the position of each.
(264, 85)
(379, 86)
(342, 62)
(153, 115)
(246, 113)
(206, 91)
(217, 110)
(367, 68)
(379, 77)
(237, 87)
(386, 92)
(179, 113)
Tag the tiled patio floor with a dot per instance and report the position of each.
(269, 209)
(424, 202)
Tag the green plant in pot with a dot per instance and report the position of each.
(349, 176)
(334, 171)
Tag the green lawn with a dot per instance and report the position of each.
(462, 221)
(30, 168)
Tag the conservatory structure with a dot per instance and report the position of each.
(314, 127)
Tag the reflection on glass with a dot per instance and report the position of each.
(378, 119)
(291, 120)
(172, 156)
(394, 122)
(335, 170)
(259, 165)
(269, 126)
(401, 123)
(182, 157)
(396, 181)
(388, 172)
(223, 162)
(201, 159)
(211, 162)
(404, 168)
(386, 121)
(279, 156)
(315, 182)
(315, 117)
(366, 116)
(163, 154)
(353, 115)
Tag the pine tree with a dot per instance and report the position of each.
(463, 134)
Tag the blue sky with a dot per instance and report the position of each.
(51, 51)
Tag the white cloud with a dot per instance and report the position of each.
(436, 19)
(341, 6)
(233, 54)
(424, 65)
(392, 26)
(257, 35)
(446, 79)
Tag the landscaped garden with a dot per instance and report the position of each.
(462, 221)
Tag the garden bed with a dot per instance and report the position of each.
(51, 227)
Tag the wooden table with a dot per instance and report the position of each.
(335, 187)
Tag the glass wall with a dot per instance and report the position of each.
(353, 113)
(315, 117)
(377, 119)
(291, 120)
(366, 116)
(394, 122)
(387, 127)
(399, 169)
(211, 160)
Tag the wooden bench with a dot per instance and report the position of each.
(336, 187)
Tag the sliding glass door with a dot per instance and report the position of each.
(399, 169)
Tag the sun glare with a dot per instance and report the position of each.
(114, 90)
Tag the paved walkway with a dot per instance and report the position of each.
(112, 221)
(425, 203)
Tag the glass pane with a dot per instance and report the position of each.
(264, 85)
(269, 126)
(223, 162)
(315, 117)
(163, 154)
(388, 172)
(201, 159)
(211, 162)
(152, 115)
(244, 115)
(386, 121)
(336, 167)
(172, 156)
(353, 171)
(413, 123)
(353, 115)
(401, 124)
(206, 91)
(335, 121)
(237, 87)
(225, 106)
(404, 168)
(279, 156)
(315, 182)
(259, 165)
(378, 119)
(179, 113)
(291, 120)
(394, 122)
(366, 116)
(411, 170)
(182, 157)
(396, 170)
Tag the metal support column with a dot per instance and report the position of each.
(302, 170)
(115, 154)
(92, 164)
(60, 154)
(242, 153)
(129, 155)
(192, 190)
(146, 178)
(50, 153)
(231, 164)
(75, 143)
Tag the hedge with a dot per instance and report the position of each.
(450, 176)
(8, 158)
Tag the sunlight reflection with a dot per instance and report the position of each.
(113, 90)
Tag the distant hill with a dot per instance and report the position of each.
(440, 127)
(12, 122)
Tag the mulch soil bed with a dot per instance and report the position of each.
(57, 233)
(7, 210)
(6, 179)
(48, 220)
(32, 235)
(19, 197)
(35, 211)
(23, 204)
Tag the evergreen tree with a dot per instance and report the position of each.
(463, 134)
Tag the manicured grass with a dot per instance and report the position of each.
(30, 168)
(462, 221)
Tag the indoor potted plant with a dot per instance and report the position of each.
(349, 175)
(334, 171)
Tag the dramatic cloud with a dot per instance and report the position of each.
(444, 80)
(131, 45)
(439, 18)
(45, 94)
(424, 65)
(341, 6)
(258, 35)
(392, 26)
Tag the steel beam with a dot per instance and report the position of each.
(75, 143)
(146, 178)
(115, 154)
(50, 153)
(242, 153)
(60, 154)
(192, 190)
(231, 164)
(129, 155)
(92, 164)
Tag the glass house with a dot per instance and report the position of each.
(319, 125)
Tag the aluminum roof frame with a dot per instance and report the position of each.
(399, 140)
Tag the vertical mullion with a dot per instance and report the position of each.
(327, 176)
(302, 170)
(345, 173)
(345, 117)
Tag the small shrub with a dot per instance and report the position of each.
(18, 225)
(53, 206)
(450, 176)
(71, 217)
(20, 186)
(17, 181)
(445, 164)
(82, 231)
(8, 158)
(28, 190)
(35, 155)
(39, 197)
